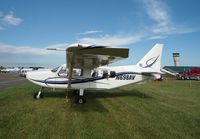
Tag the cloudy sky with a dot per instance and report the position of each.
(28, 27)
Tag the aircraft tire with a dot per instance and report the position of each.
(35, 96)
(80, 100)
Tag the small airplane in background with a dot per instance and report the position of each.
(12, 69)
(85, 70)
(23, 71)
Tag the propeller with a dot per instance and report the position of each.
(57, 49)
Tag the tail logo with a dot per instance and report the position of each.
(150, 62)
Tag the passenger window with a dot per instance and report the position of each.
(105, 74)
(81, 72)
(112, 74)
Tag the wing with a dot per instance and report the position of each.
(94, 56)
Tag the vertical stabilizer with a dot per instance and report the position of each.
(152, 59)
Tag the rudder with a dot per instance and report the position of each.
(152, 59)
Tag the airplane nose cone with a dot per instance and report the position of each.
(27, 75)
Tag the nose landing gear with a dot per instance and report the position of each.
(39, 94)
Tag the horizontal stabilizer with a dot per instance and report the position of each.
(167, 72)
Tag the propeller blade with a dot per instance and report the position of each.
(57, 49)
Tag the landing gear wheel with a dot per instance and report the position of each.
(80, 100)
(36, 96)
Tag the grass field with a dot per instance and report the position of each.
(154, 110)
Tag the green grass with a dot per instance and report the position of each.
(153, 110)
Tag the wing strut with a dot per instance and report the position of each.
(70, 65)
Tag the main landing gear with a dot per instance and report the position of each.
(39, 94)
(80, 98)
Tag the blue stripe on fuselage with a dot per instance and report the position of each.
(75, 81)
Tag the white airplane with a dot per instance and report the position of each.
(23, 71)
(13, 70)
(85, 70)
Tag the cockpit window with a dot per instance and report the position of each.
(55, 69)
(62, 72)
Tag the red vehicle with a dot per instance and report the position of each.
(193, 73)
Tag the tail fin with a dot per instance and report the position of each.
(152, 59)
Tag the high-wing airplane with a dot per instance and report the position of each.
(86, 70)
(13, 69)
(23, 71)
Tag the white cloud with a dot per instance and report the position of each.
(115, 40)
(156, 37)
(162, 27)
(27, 50)
(90, 32)
(182, 30)
(11, 19)
(159, 12)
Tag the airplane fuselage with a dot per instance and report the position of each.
(106, 78)
(89, 75)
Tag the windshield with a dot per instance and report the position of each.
(55, 69)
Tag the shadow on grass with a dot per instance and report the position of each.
(92, 105)
(93, 94)
(93, 98)
(54, 94)
(118, 93)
